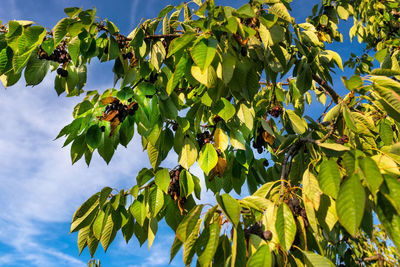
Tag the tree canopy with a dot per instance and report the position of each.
(234, 90)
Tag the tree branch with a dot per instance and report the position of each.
(335, 97)
(158, 36)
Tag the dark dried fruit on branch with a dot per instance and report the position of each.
(267, 235)
(175, 127)
(203, 138)
(103, 128)
(294, 205)
(217, 119)
(174, 190)
(276, 111)
(121, 40)
(116, 112)
(62, 72)
(257, 229)
(265, 163)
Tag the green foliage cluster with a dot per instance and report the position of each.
(208, 82)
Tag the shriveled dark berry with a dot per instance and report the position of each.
(129, 55)
(217, 119)
(62, 72)
(267, 235)
(393, 127)
(260, 150)
(265, 163)
(276, 111)
(175, 127)
(130, 100)
(103, 128)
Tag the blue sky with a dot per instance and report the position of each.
(39, 188)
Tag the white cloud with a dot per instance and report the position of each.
(39, 185)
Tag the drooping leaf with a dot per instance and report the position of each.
(208, 158)
(230, 207)
(188, 154)
(285, 226)
(350, 204)
(329, 178)
(162, 179)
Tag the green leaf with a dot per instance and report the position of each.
(304, 79)
(93, 136)
(36, 70)
(181, 42)
(238, 248)
(211, 234)
(244, 12)
(246, 116)
(186, 183)
(106, 148)
(60, 30)
(162, 179)
(188, 153)
(299, 125)
(386, 133)
(333, 146)
(353, 83)
(207, 77)
(157, 55)
(108, 234)
(85, 214)
(285, 226)
(261, 258)
(203, 52)
(153, 151)
(175, 248)
(221, 139)
(208, 158)
(156, 200)
(316, 260)
(281, 11)
(151, 233)
(138, 210)
(178, 74)
(329, 178)
(82, 238)
(230, 207)
(385, 72)
(371, 174)
(350, 204)
(349, 119)
(188, 223)
(389, 218)
(224, 109)
(72, 11)
(228, 67)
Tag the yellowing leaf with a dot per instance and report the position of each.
(221, 139)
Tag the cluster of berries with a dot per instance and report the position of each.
(203, 138)
(60, 54)
(343, 140)
(256, 229)
(62, 72)
(259, 142)
(121, 40)
(276, 111)
(123, 110)
(174, 190)
(294, 205)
